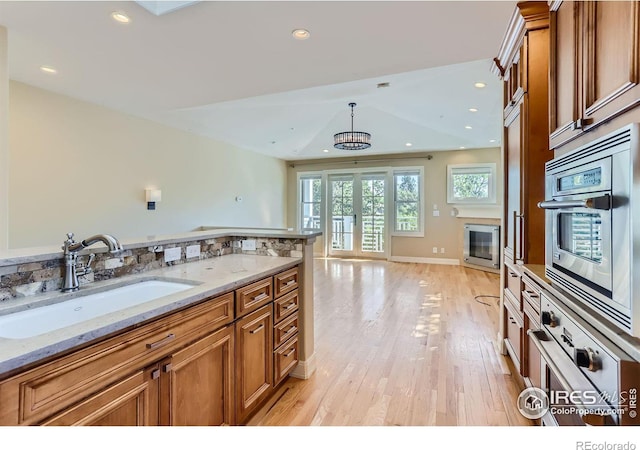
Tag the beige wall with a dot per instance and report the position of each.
(4, 140)
(440, 232)
(83, 168)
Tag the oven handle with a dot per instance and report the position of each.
(602, 202)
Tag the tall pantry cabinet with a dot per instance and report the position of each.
(523, 64)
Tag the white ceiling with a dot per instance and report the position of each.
(232, 71)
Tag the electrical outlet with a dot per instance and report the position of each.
(249, 244)
(193, 251)
(435, 249)
(436, 213)
(172, 254)
(442, 250)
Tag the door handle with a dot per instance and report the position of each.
(603, 202)
(355, 219)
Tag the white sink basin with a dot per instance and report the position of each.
(32, 322)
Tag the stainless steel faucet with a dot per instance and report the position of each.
(71, 249)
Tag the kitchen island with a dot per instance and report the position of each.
(250, 298)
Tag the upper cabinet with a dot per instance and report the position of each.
(594, 66)
(522, 63)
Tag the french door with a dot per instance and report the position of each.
(357, 214)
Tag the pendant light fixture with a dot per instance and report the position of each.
(352, 140)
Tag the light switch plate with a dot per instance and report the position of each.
(249, 244)
(193, 251)
(436, 213)
(172, 254)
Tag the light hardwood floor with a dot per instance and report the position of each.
(401, 344)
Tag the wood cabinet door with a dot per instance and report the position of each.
(513, 144)
(564, 72)
(132, 401)
(254, 360)
(197, 383)
(611, 59)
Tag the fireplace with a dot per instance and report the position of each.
(482, 245)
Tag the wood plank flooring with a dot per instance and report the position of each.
(401, 344)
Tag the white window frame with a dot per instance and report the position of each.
(453, 169)
(421, 195)
(310, 175)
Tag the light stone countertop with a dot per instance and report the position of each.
(210, 277)
(35, 254)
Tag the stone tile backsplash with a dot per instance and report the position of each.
(46, 276)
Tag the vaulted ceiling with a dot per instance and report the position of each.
(232, 70)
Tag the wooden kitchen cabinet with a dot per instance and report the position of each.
(595, 66)
(132, 401)
(526, 127)
(254, 360)
(523, 53)
(196, 383)
(196, 366)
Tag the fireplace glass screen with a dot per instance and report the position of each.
(481, 245)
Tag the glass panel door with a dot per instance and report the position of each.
(342, 215)
(358, 214)
(373, 213)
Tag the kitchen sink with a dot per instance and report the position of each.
(42, 319)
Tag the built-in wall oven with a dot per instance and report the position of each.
(585, 379)
(591, 227)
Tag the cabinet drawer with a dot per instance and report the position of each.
(514, 283)
(285, 329)
(286, 282)
(513, 330)
(513, 302)
(284, 306)
(51, 387)
(253, 296)
(531, 295)
(285, 360)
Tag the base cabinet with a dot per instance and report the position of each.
(254, 338)
(197, 366)
(196, 384)
(130, 402)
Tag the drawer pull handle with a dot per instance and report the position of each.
(289, 306)
(290, 352)
(166, 368)
(262, 296)
(293, 327)
(513, 275)
(155, 374)
(290, 282)
(531, 294)
(161, 342)
(257, 329)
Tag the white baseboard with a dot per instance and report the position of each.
(414, 259)
(305, 369)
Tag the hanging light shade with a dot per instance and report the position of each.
(352, 140)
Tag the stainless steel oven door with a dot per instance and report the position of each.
(581, 242)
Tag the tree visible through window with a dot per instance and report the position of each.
(473, 183)
(310, 199)
(407, 201)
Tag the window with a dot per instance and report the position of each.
(310, 201)
(471, 183)
(407, 199)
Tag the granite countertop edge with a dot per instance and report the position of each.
(17, 354)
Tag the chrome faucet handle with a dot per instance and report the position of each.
(85, 269)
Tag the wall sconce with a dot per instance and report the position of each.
(152, 196)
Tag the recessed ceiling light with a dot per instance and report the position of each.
(480, 84)
(468, 127)
(473, 109)
(121, 17)
(462, 148)
(325, 150)
(408, 144)
(492, 140)
(301, 34)
(48, 69)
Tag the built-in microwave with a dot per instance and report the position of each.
(591, 226)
